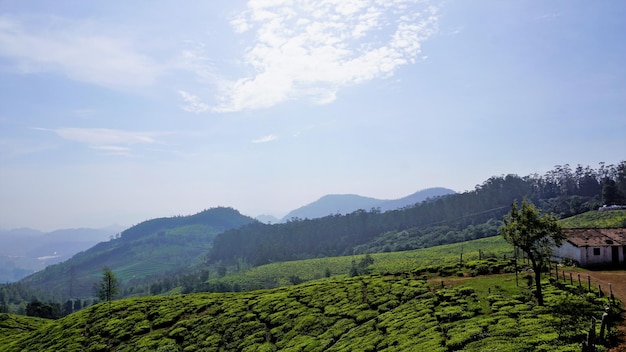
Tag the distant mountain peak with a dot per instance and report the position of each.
(267, 219)
(347, 203)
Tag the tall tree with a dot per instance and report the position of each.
(108, 287)
(535, 235)
(610, 193)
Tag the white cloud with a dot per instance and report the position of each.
(265, 139)
(310, 48)
(113, 150)
(76, 50)
(110, 141)
(192, 103)
(106, 136)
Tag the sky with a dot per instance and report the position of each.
(116, 112)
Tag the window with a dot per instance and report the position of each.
(596, 251)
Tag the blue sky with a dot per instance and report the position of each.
(115, 112)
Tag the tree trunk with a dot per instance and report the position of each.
(537, 270)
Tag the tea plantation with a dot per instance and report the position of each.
(380, 312)
(442, 260)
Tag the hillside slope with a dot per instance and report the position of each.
(366, 313)
(154, 246)
(596, 219)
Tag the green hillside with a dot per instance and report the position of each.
(153, 247)
(596, 219)
(365, 313)
(287, 273)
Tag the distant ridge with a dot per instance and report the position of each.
(24, 251)
(347, 203)
(151, 247)
(267, 219)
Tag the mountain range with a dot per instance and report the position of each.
(347, 203)
(24, 251)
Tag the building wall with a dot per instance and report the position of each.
(588, 256)
(591, 258)
(568, 250)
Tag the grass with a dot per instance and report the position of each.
(596, 219)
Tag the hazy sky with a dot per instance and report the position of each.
(115, 112)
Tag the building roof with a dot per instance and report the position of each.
(596, 237)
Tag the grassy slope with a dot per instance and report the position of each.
(599, 219)
(382, 312)
(279, 274)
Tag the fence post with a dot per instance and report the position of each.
(588, 283)
(599, 291)
(571, 280)
(605, 321)
(556, 271)
(579, 284)
(591, 337)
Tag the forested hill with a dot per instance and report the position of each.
(452, 218)
(220, 219)
(152, 247)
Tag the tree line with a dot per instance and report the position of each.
(563, 191)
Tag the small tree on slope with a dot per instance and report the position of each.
(535, 235)
(108, 287)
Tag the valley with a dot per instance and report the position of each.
(433, 276)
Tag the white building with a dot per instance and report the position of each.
(594, 247)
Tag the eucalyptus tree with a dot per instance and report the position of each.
(108, 286)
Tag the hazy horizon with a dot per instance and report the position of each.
(116, 113)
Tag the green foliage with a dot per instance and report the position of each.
(108, 286)
(535, 235)
(428, 236)
(13, 326)
(43, 310)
